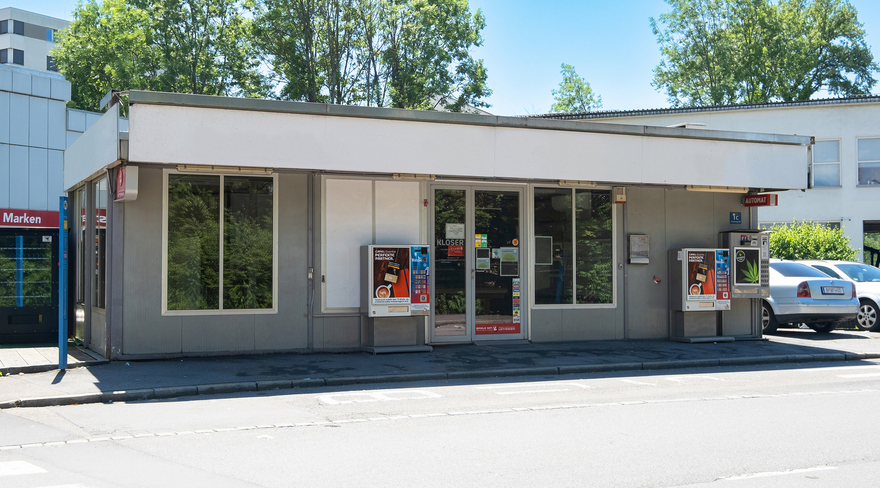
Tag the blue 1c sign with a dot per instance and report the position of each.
(736, 217)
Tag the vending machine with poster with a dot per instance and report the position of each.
(699, 287)
(749, 280)
(396, 280)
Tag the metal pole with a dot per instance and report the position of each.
(62, 283)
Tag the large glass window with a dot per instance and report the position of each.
(573, 246)
(205, 272)
(869, 161)
(826, 164)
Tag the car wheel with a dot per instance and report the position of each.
(823, 327)
(768, 320)
(867, 316)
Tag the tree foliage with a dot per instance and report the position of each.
(809, 240)
(719, 52)
(574, 94)
(384, 53)
(183, 46)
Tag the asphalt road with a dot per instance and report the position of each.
(761, 426)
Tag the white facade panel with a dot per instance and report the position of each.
(21, 83)
(39, 122)
(60, 89)
(181, 135)
(19, 168)
(41, 86)
(397, 212)
(57, 135)
(5, 80)
(76, 120)
(19, 119)
(348, 225)
(4, 116)
(38, 176)
(55, 180)
(5, 180)
(92, 151)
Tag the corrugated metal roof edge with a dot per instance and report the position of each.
(306, 108)
(712, 108)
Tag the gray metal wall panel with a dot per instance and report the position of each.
(18, 176)
(98, 331)
(145, 330)
(21, 83)
(647, 301)
(288, 329)
(339, 332)
(39, 122)
(220, 333)
(38, 176)
(4, 176)
(546, 325)
(56, 132)
(55, 179)
(4, 117)
(72, 136)
(19, 119)
(591, 324)
(41, 86)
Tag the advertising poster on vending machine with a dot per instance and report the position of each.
(391, 275)
(747, 266)
(420, 260)
(700, 275)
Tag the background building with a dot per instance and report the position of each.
(844, 177)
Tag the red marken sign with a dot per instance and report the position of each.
(765, 200)
(16, 217)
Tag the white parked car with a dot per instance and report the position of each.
(867, 280)
(802, 294)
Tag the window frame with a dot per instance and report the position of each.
(220, 311)
(614, 251)
(826, 163)
(859, 163)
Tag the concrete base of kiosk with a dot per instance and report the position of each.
(385, 335)
(695, 340)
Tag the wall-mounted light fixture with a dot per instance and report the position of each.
(717, 189)
(413, 176)
(223, 169)
(588, 184)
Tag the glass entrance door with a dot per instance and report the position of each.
(478, 281)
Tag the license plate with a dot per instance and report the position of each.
(832, 290)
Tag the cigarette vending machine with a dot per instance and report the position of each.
(395, 280)
(749, 280)
(702, 281)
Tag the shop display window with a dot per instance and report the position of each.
(205, 272)
(574, 262)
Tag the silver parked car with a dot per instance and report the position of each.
(802, 294)
(867, 280)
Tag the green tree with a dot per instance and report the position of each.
(809, 240)
(719, 52)
(183, 46)
(385, 53)
(574, 94)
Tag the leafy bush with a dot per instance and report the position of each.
(809, 240)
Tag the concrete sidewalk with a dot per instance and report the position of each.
(102, 381)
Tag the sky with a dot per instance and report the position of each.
(609, 43)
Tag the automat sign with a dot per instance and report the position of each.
(765, 200)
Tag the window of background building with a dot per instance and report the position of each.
(869, 160)
(50, 64)
(50, 35)
(18, 27)
(4, 27)
(826, 164)
(18, 57)
(205, 272)
(574, 261)
(4, 56)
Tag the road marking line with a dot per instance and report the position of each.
(12, 468)
(369, 397)
(639, 382)
(864, 375)
(778, 473)
(528, 391)
(532, 385)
